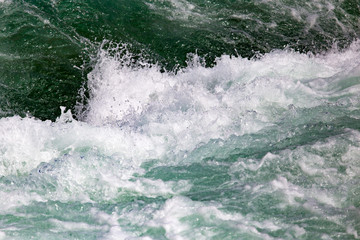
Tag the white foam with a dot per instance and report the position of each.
(17, 198)
(180, 10)
(255, 165)
(296, 14)
(312, 164)
(64, 226)
(23, 144)
(111, 226)
(178, 208)
(139, 113)
(26, 142)
(330, 165)
(290, 191)
(6, 1)
(299, 231)
(198, 104)
(85, 162)
(178, 215)
(311, 20)
(352, 231)
(95, 178)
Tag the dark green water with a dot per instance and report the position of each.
(187, 119)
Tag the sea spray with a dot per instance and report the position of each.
(249, 149)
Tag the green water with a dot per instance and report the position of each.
(47, 46)
(176, 119)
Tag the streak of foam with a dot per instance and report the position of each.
(16, 199)
(182, 10)
(179, 214)
(72, 226)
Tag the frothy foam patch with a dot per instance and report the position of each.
(86, 163)
(6, 1)
(17, 198)
(23, 144)
(92, 177)
(319, 177)
(114, 230)
(290, 191)
(136, 114)
(61, 226)
(27, 142)
(179, 215)
(237, 96)
(180, 10)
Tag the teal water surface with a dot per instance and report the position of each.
(179, 119)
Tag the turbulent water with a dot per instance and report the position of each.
(179, 119)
